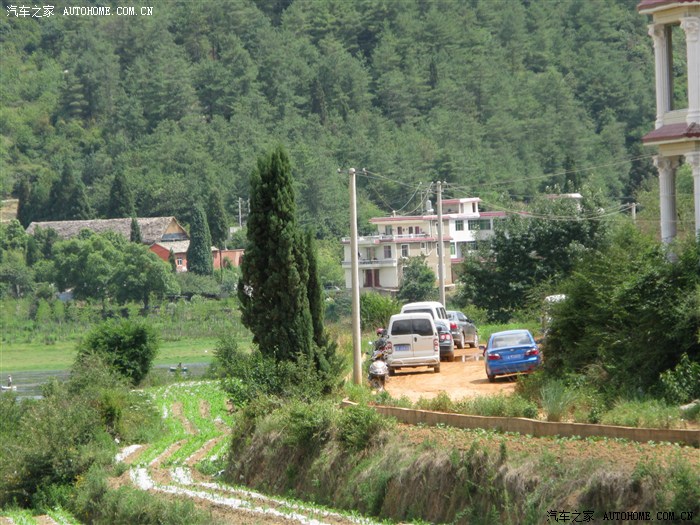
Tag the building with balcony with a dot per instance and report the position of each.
(382, 256)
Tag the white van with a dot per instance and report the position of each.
(434, 308)
(439, 314)
(413, 341)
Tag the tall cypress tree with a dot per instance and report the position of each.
(135, 234)
(218, 223)
(272, 289)
(314, 291)
(121, 198)
(24, 209)
(199, 259)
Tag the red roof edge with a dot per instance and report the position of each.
(678, 131)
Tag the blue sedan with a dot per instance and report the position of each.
(511, 352)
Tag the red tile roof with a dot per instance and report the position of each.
(669, 132)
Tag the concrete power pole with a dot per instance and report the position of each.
(441, 255)
(356, 334)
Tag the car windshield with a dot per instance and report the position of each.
(508, 340)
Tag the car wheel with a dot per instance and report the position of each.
(450, 358)
(475, 343)
(436, 369)
(492, 379)
(392, 372)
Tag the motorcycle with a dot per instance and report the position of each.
(378, 369)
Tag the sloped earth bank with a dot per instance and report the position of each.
(442, 475)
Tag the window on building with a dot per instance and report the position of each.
(389, 230)
(387, 251)
(453, 249)
(459, 225)
(179, 261)
(404, 250)
(399, 230)
(479, 224)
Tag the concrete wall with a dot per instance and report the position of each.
(538, 428)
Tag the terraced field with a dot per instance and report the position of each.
(184, 463)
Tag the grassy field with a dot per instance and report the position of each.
(21, 357)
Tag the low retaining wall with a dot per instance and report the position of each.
(538, 428)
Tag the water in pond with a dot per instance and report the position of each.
(30, 383)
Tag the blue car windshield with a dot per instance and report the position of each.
(510, 340)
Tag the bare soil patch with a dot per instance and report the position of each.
(465, 377)
(186, 423)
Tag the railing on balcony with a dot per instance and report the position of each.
(372, 263)
(371, 239)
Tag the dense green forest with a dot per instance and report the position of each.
(500, 98)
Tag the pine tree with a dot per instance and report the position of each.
(172, 261)
(314, 290)
(216, 218)
(67, 200)
(272, 289)
(199, 259)
(24, 209)
(135, 235)
(121, 198)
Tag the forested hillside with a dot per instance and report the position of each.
(497, 97)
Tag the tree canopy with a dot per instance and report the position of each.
(499, 99)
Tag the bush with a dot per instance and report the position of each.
(498, 405)
(557, 400)
(307, 425)
(376, 309)
(129, 346)
(682, 383)
(648, 414)
(628, 308)
(95, 503)
(359, 426)
(440, 403)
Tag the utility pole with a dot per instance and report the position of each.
(441, 255)
(240, 222)
(356, 334)
(634, 212)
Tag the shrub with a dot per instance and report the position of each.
(498, 405)
(307, 425)
(359, 426)
(95, 503)
(440, 403)
(376, 309)
(650, 413)
(682, 383)
(557, 400)
(129, 346)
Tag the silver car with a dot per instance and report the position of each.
(463, 330)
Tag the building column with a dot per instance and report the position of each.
(663, 71)
(691, 26)
(667, 167)
(694, 160)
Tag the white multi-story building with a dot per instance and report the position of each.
(382, 256)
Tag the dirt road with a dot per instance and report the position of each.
(465, 377)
